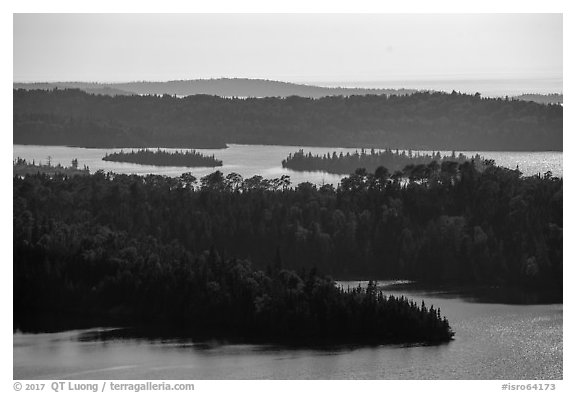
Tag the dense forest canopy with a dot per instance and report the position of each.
(427, 121)
(164, 158)
(87, 131)
(449, 223)
(387, 158)
(74, 269)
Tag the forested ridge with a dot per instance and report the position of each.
(554, 98)
(422, 120)
(241, 87)
(452, 223)
(52, 129)
(224, 87)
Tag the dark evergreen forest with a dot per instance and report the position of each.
(75, 268)
(427, 121)
(458, 224)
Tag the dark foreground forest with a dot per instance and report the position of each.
(74, 271)
(426, 121)
(453, 223)
(164, 158)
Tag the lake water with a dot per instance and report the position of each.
(493, 341)
(264, 160)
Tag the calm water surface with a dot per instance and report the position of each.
(264, 160)
(493, 341)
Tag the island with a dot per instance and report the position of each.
(391, 160)
(164, 158)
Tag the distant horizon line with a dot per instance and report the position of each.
(303, 82)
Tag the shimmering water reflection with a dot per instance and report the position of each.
(263, 160)
(493, 341)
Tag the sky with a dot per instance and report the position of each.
(288, 47)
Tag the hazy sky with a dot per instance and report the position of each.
(292, 47)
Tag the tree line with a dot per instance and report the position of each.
(164, 158)
(424, 121)
(21, 167)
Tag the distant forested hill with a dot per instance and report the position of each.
(542, 98)
(423, 120)
(92, 88)
(241, 87)
(223, 87)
